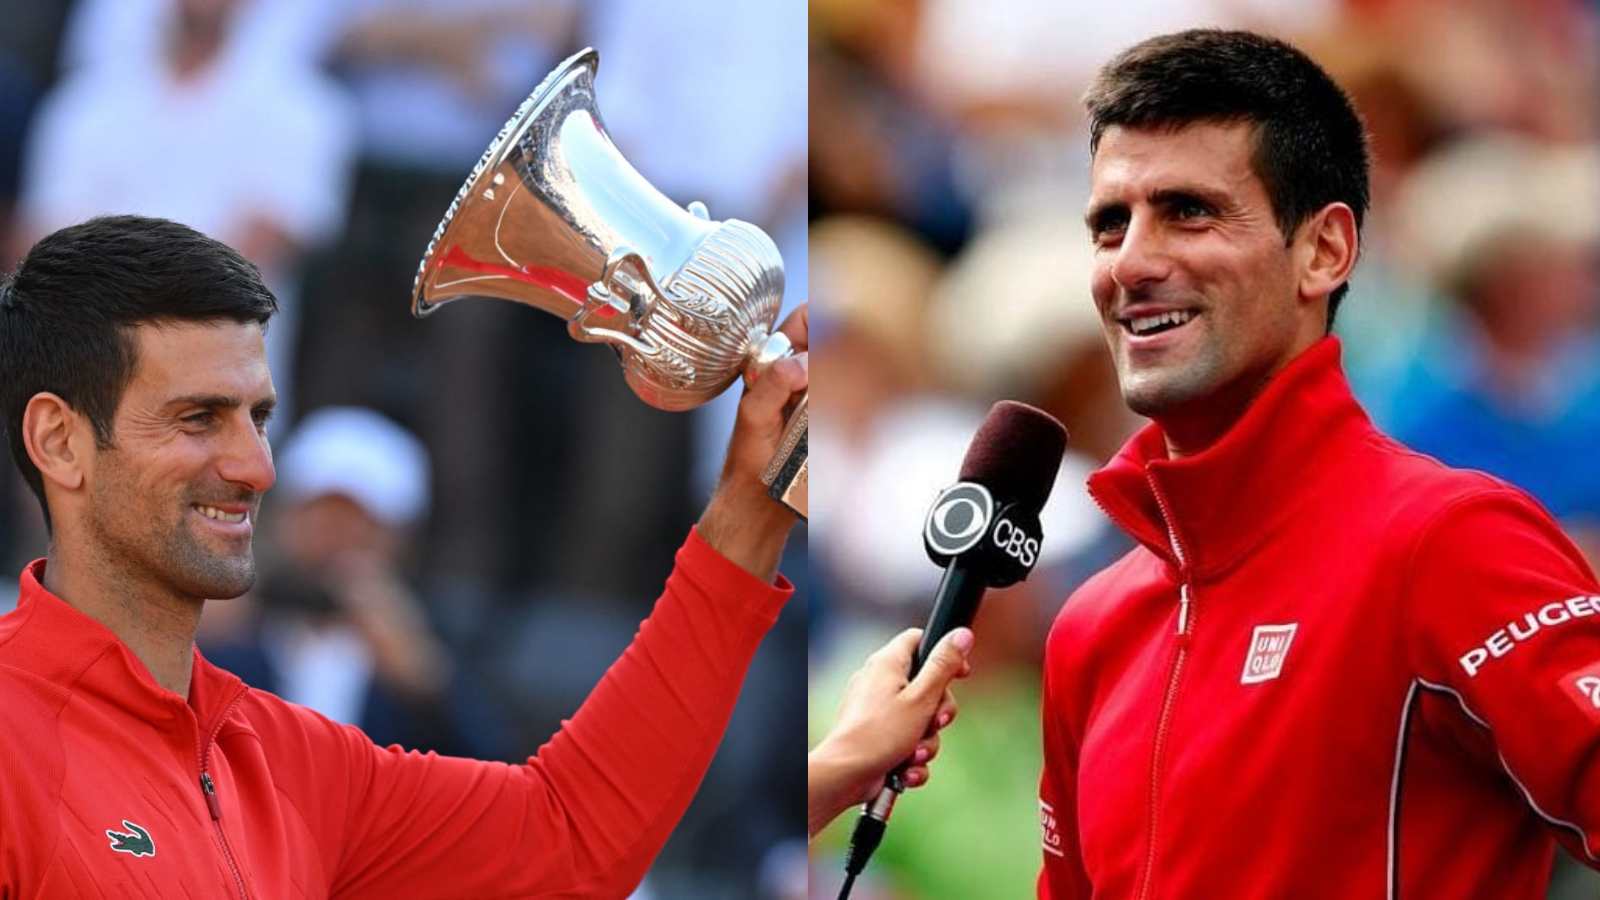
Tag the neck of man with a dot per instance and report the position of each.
(1191, 430)
(158, 626)
(1194, 431)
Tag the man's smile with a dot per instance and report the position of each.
(230, 519)
(1148, 327)
(1155, 323)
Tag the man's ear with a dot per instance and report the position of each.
(1331, 247)
(58, 440)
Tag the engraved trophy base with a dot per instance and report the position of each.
(786, 477)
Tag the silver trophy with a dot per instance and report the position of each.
(554, 217)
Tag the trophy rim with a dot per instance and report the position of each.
(509, 135)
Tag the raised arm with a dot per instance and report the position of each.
(587, 815)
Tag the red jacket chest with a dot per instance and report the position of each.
(1287, 669)
(117, 808)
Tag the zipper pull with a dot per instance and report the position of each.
(1183, 609)
(210, 790)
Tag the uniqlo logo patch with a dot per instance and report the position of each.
(1583, 686)
(1269, 646)
(1047, 824)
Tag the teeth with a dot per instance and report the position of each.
(211, 512)
(1144, 324)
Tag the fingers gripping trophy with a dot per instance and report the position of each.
(555, 218)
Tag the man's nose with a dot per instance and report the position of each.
(1143, 257)
(247, 461)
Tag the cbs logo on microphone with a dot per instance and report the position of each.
(964, 525)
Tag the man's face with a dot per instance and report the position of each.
(1195, 287)
(173, 502)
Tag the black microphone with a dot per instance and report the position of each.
(984, 530)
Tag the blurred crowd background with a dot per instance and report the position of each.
(473, 513)
(950, 268)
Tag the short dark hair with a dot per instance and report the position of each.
(1311, 148)
(67, 312)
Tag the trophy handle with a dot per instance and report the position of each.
(604, 294)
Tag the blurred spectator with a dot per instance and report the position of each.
(876, 150)
(339, 628)
(31, 41)
(18, 96)
(201, 127)
(871, 341)
(871, 278)
(24, 64)
(1509, 382)
(433, 79)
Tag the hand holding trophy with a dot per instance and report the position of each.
(555, 218)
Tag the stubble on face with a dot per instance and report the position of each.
(153, 540)
(1155, 392)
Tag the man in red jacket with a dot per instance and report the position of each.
(1331, 667)
(135, 392)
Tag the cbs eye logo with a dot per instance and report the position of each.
(959, 518)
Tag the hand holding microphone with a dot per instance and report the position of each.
(985, 531)
(885, 720)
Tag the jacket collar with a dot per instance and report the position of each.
(53, 640)
(1223, 501)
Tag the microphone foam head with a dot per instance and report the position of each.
(1016, 454)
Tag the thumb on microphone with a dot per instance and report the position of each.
(948, 661)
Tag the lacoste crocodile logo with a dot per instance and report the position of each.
(138, 843)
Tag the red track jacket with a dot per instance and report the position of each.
(1331, 668)
(111, 786)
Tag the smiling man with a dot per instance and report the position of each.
(1330, 667)
(135, 391)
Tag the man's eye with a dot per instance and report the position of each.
(1106, 230)
(262, 417)
(1190, 209)
(200, 418)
